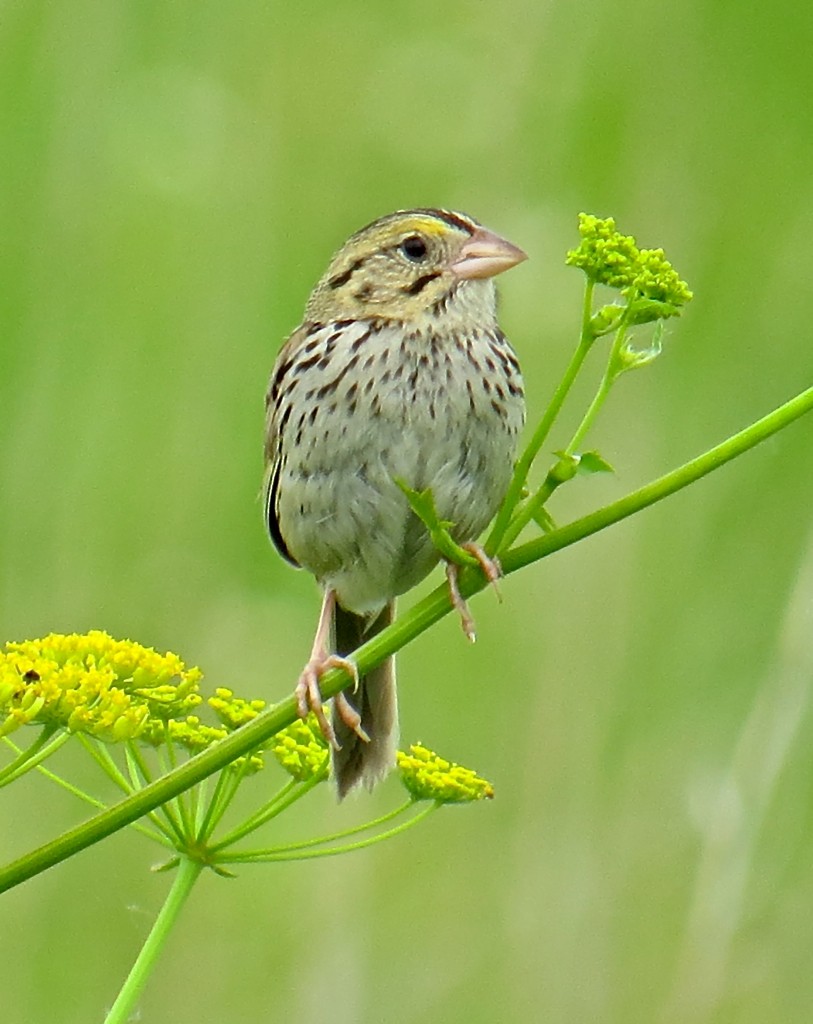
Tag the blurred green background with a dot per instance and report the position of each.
(173, 179)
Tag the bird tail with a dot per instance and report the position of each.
(376, 702)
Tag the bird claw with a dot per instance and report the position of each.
(491, 569)
(349, 715)
(309, 697)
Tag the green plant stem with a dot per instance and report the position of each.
(530, 510)
(80, 794)
(496, 539)
(101, 755)
(344, 833)
(184, 801)
(275, 854)
(43, 746)
(140, 770)
(590, 416)
(288, 795)
(226, 787)
(124, 1007)
(416, 621)
(534, 505)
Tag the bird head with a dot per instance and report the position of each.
(412, 264)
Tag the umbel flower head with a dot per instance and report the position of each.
(301, 749)
(610, 258)
(92, 683)
(117, 690)
(429, 777)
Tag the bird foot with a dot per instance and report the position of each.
(309, 697)
(491, 569)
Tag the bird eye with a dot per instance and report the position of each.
(414, 248)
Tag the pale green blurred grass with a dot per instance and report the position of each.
(173, 180)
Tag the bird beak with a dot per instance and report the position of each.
(486, 254)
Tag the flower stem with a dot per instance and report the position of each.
(141, 776)
(288, 795)
(417, 620)
(226, 787)
(530, 509)
(344, 833)
(512, 498)
(93, 801)
(534, 505)
(611, 373)
(284, 853)
(43, 746)
(125, 1004)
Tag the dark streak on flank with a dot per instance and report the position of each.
(283, 421)
(276, 383)
(420, 283)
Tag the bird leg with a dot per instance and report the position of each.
(491, 569)
(308, 694)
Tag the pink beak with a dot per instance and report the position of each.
(486, 254)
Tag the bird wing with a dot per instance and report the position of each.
(273, 433)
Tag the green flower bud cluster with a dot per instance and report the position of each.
(613, 259)
(429, 777)
(194, 735)
(234, 711)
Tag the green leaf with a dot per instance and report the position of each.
(592, 462)
(422, 504)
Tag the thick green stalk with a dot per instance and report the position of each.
(123, 1010)
(418, 619)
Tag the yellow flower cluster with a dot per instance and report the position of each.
(92, 683)
(301, 749)
(429, 777)
(118, 690)
(234, 711)
(193, 736)
(610, 258)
